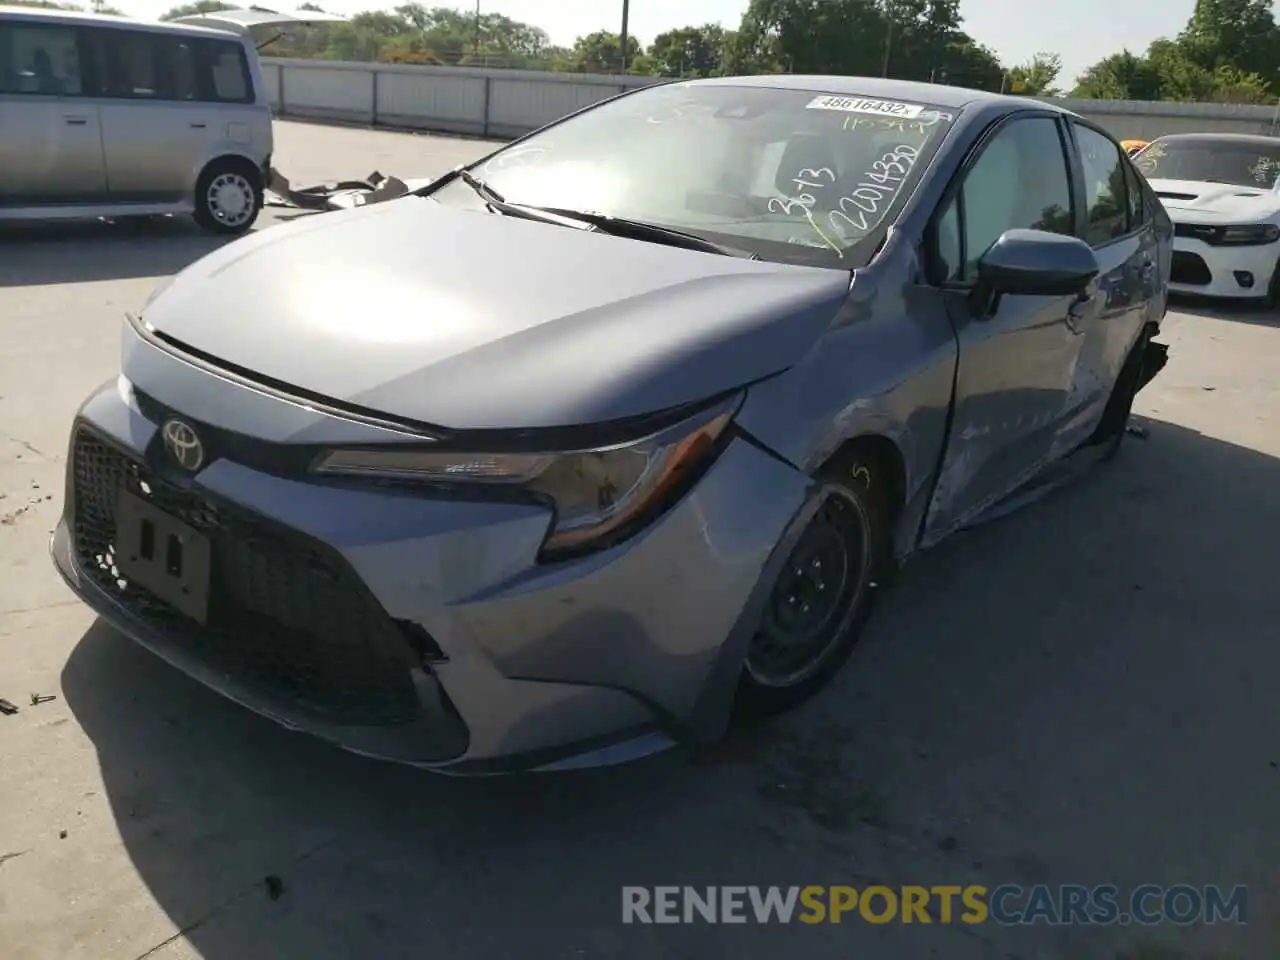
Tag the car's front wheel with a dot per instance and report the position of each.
(824, 594)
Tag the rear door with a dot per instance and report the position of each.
(1112, 221)
(50, 139)
(1017, 360)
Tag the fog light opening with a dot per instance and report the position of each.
(1244, 278)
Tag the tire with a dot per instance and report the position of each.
(1113, 426)
(847, 549)
(228, 197)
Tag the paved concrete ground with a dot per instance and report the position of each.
(1081, 693)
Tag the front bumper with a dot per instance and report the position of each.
(423, 630)
(1218, 271)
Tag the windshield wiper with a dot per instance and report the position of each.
(588, 220)
(500, 204)
(640, 230)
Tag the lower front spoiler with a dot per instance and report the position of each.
(435, 742)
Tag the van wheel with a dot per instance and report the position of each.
(228, 197)
(824, 594)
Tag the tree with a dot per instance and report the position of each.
(1229, 52)
(600, 52)
(1121, 76)
(1240, 34)
(1037, 78)
(689, 51)
(56, 5)
(196, 8)
(908, 39)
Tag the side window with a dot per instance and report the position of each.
(1019, 181)
(1106, 194)
(132, 64)
(40, 59)
(229, 69)
(1137, 202)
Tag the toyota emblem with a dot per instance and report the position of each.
(183, 444)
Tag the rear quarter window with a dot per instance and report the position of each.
(230, 79)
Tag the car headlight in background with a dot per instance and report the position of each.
(1251, 234)
(600, 496)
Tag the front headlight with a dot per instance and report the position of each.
(600, 496)
(1249, 234)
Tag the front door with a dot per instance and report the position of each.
(1017, 356)
(50, 138)
(1114, 223)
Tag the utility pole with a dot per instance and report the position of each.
(477, 40)
(625, 37)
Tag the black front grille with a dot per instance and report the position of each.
(1189, 268)
(286, 618)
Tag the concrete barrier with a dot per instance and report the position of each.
(480, 102)
(510, 103)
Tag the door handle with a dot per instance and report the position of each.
(198, 126)
(76, 121)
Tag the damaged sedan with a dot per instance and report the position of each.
(580, 450)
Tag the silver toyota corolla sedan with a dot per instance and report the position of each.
(587, 446)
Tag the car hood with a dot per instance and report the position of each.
(468, 320)
(1195, 201)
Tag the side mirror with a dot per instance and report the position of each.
(1038, 264)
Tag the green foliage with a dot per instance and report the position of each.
(58, 5)
(1037, 78)
(198, 7)
(914, 39)
(690, 51)
(1229, 52)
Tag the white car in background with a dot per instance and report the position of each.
(1220, 191)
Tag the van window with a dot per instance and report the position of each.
(150, 65)
(131, 64)
(230, 68)
(40, 59)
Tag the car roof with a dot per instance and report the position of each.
(937, 94)
(83, 18)
(1256, 138)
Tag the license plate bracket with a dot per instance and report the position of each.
(156, 550)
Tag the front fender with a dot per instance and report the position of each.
(887, 370)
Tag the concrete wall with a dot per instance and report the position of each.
(509, 103)
(489, 103)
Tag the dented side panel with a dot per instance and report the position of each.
(885, 369)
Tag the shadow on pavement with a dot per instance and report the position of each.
(1079, 693)
(31, 255)
(1243, 312)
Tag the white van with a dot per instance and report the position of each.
(109, 117)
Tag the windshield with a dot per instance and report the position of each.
(1240, 163)
(790, 175)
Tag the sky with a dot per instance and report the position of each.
(1082, 31)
